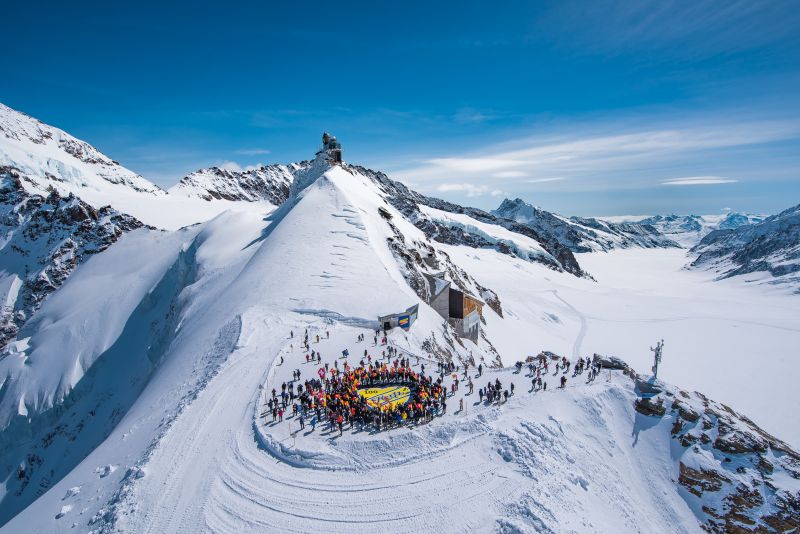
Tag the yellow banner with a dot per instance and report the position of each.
(391, 396)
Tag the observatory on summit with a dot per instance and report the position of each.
(331, 148)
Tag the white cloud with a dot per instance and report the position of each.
(235, 167)
(605, 155)
(230, 166)
(699, 180)
(470, 190)
(253, 151)
(543, 180)
(471, 116)
(510, 174)
(473, 165)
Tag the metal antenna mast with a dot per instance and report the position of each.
(657, 357)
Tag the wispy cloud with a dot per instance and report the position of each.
(253, 151)
(229, 165)
(700, 28)
(543, 180)
(470, 190)
(510, 174)
(470, 116)
(699, 180)
(587, 158)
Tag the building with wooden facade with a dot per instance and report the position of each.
(462, 310)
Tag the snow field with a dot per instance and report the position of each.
(725, 339)
(190, 452)
(491, 467)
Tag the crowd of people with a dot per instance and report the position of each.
(333, 396)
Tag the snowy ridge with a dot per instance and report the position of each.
(47, 159)
(688, 230)
(555, 255)
(269, 183)
(771, 247)
(736, 477)
(583, 234)
(46, 154)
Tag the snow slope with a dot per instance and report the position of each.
(716, 332)
(47, 158)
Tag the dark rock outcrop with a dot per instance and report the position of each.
(46, 239)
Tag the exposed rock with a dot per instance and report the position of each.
(611, 362)
(269, 183)
(771, 246)
(583, 234)
(685, 412)
(49, 236)
(734, 441)
(698, 481)
(408, 202)
(650, 407)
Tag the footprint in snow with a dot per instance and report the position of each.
(71, 492)
(64, 511)
(105, 470)
(582, 482)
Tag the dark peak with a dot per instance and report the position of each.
(508, 204)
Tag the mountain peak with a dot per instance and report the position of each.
(49, 157)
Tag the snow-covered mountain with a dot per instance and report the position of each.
(133, 398)
(452, 224)
(46, 159)
(688, 230)
(270, 183)
(770, 247)
(44, 240)
(581, 234)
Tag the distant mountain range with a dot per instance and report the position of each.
(583, 234)
(688, 230)
(770, 247)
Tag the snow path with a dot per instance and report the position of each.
(576, 347)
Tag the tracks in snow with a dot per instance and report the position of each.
(210, 473)
(576, 346)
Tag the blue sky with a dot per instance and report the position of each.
(585, 108)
